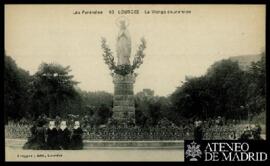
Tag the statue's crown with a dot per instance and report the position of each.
(122, 22)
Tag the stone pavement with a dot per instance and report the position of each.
(98, 154)
(101, 151)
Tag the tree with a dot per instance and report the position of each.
(104, 113)
(150, 109)
(16, 85)
(96, 99)
(142, 107)
(192, 99)
(228, 85)
(53, 91)
(220, 92)
(256, 97)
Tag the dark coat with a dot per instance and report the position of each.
(64, 138)
(37, 139)
(198, 133)
(245, 136)
(52, 141)
(76, 139)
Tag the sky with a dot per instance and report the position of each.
(178, 45)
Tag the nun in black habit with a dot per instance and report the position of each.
(76, 138)
(52, 135)
(64, 136)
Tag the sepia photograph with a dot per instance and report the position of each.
(131, 82)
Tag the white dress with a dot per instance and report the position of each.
(123, 47)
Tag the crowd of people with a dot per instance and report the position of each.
(50, 136)
(202, 130)
(252, 132)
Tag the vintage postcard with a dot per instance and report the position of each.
(134, 82)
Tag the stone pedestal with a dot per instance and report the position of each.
(123, 101)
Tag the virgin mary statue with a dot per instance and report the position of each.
(123, 44)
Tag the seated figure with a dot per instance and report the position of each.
(37, 139)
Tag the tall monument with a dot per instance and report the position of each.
(123, 73)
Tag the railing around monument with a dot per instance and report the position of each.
(155, 133)
(133, 133)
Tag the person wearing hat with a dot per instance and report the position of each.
(41, 133)
(198, 131)
(256, 132)
(246, 134)
(63, 136)
(76, 138)
(52, 136)
(30, 144)
(37, 139)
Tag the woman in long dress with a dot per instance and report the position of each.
(123, 46)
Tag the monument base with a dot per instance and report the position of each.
(124, 114)
(123, 101)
